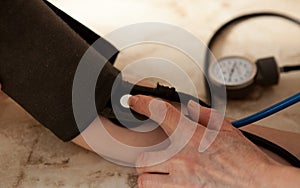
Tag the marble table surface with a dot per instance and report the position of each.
(30, 156)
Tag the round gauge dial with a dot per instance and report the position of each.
(234, 72)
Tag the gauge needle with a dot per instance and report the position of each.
(231, 72)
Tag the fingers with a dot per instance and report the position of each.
(154, 181)
(205, 116)
(199, 113)
(162, 168)
(149, 162)
(159, 111)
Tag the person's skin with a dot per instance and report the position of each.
(230, 161)
(123, 135)
(156, 136)
(2, 95)
(94, 138)
(132, 138)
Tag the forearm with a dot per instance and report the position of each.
(109, 140)
(287, 140)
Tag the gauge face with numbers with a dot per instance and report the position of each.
(235, 72)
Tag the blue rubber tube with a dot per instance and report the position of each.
(267, 112)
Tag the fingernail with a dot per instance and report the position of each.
(193, 105)
(133, 100)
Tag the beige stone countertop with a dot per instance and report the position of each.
(30, 156)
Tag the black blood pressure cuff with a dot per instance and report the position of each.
(39, 56)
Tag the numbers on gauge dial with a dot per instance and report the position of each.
(233, 71)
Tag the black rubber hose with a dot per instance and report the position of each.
(273, 147)
(290, 68)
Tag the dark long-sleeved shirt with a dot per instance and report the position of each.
(39, 56)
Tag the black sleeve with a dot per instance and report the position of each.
(39, 56)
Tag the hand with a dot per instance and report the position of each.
(230, 161)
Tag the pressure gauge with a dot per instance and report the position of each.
(234, 72)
